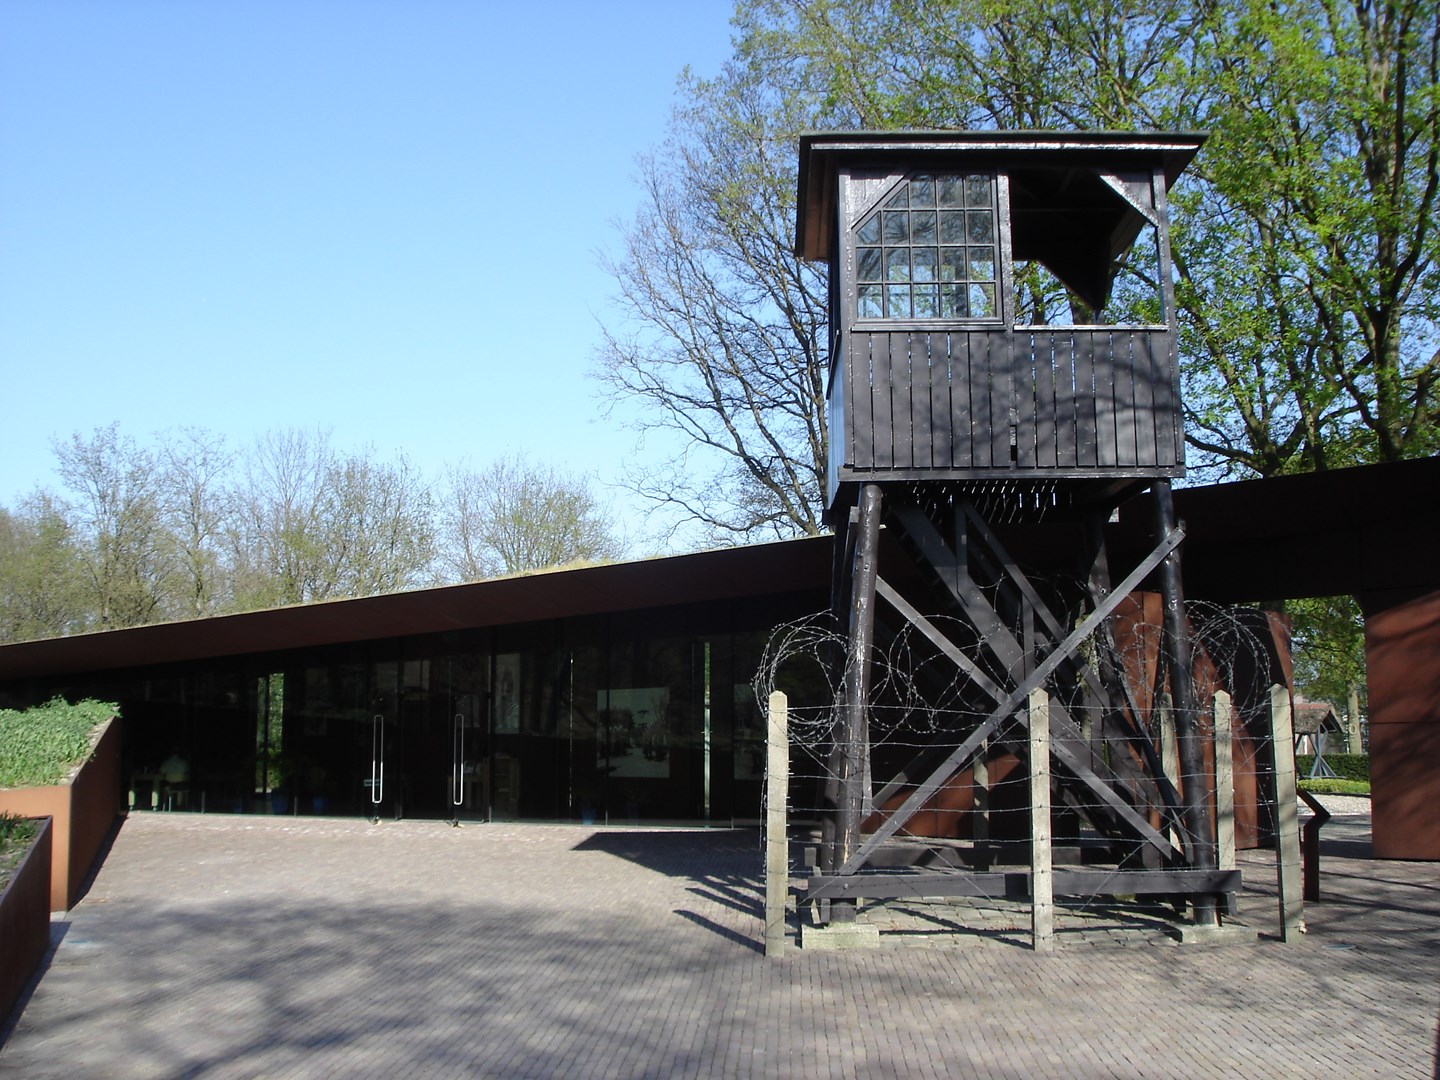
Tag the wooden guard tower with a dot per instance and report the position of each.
(1002, 353)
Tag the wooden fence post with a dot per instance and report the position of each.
(777, 838)
(1042, 882)
(1224, 784)
(1287, 817)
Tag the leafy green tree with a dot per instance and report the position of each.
(515, 515)
(1328, 644)
(1303, 237)
(41, 584)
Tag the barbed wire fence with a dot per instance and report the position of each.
(922, 707)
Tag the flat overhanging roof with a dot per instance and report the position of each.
(772, 569)
(1368, 531)
(822, 153)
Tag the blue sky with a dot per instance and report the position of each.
(380, 217)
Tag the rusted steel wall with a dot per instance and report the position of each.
(25, 919)
(83, 812)
(1402, 661)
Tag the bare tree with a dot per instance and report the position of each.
(515, 515)
(196, 500)
(721, 340)
(315, 524)
(126, 552)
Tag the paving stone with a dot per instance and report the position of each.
(228, 947)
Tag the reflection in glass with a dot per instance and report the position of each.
(897, 264)
(923, 265)
(872, 306)
(870, 264)
(926, 306)
(897, 227)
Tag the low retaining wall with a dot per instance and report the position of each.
(25, 919)
(83, 812)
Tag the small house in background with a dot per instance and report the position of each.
(1319, 729)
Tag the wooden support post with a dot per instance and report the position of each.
(1287, 817)
(980, 807)
(1201, 841)
(1224, 784)
(1042, 874)
(1169, 749)
(853, 734)
(777, 837)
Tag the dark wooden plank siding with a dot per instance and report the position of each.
(883, 400)
(1086, 436)
(1043, 365)
(1146, 372)
(862, 402)
(1078, 400)
(962, 412)
(939, 423)
(912, 403)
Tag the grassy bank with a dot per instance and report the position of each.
(42, 745)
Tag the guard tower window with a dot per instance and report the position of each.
(929, 251)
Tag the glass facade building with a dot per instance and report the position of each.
(619, 716)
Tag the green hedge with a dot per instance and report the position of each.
(1344, 766)
(1327, 786)
(40, 746)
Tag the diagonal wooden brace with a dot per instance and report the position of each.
(962, 753)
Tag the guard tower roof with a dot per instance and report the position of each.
(822, 153)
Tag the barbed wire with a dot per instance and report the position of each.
(1109, 709)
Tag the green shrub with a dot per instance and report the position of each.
(40, 746)
(1344, 766)
(16, 835)
(1323, 785)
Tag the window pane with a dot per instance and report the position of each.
(897, 227)
(871, 305)
(982, 264)
(870, 231)
(952, 227)
(922, 227)
(979, 227)
(952, 264)
(870, 263)
(922, 191)
(900, 199)
(925, 302)
(952, 302)
(982, 301)
(952, 191)
(922, 264)
(897, 301)
(897, 265)
(977, 191)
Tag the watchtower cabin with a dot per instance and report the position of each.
(1002, 353)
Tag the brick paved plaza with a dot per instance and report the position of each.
(212, 946)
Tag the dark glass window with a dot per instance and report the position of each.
(929, 251)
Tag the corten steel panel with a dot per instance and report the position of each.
(25, 920)
(734, 573)
(81, 812)
(1402, 659)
